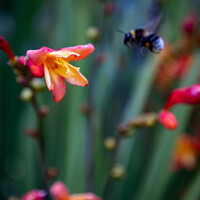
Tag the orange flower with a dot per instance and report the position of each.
(57, 68)
(186, 153)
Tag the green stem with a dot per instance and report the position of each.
(109, 181)
(41, 146)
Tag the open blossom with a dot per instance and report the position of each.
(56, 67)
(185, 95)
(60, 192)
(186, 153)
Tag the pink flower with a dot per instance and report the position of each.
(55, 64)
(60, 192)
(34, 195)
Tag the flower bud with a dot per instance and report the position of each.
(43, 111)
(37, 84)
(86, 109)
(189, 24)
(36, 70)
(22, 60)
(4, 46)
(31, 132)
(124, 130)
(51, 173)
(168, 120)
(109, 8)
(110, 143)
(118, 172)
(26, 94)
(22, 80)
(93, 33)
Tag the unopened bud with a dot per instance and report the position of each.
(86, 109)
(43, 111)
(190, 24)
(110, 143)
(109, 8)
(33, 133)
(118, 172)
(168, 120)
(4, 46)
(51, 173)
(22, 60)
(37, 84)
(93, 33)
(124, 130)
(26, 94)
(22, 80)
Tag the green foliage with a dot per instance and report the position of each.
(120, 87)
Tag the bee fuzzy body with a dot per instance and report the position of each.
(143, 38)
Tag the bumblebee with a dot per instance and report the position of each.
(145, 38)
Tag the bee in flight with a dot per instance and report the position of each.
(145, 37)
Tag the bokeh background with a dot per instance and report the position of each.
(123, 83)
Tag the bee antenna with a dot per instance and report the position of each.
(121, 31)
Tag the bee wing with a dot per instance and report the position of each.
(150, 28)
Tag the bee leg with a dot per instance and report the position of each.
(129, 46)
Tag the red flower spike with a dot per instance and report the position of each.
(4, 46)
(57, 68)
(35, 195)
(186, 95)
(36, 70)
(168, 120)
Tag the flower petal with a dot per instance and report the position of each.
(36, 70)
(82, 50)
(48, 78)
(72, 75)
(55, 83)
(186, 95)
(38, 56)
(63, 53)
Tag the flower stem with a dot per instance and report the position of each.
(109, 181)
(41, 145)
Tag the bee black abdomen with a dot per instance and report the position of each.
(156, 43)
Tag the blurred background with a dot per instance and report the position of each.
(123, 84)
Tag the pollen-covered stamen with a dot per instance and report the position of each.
(59, 62)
